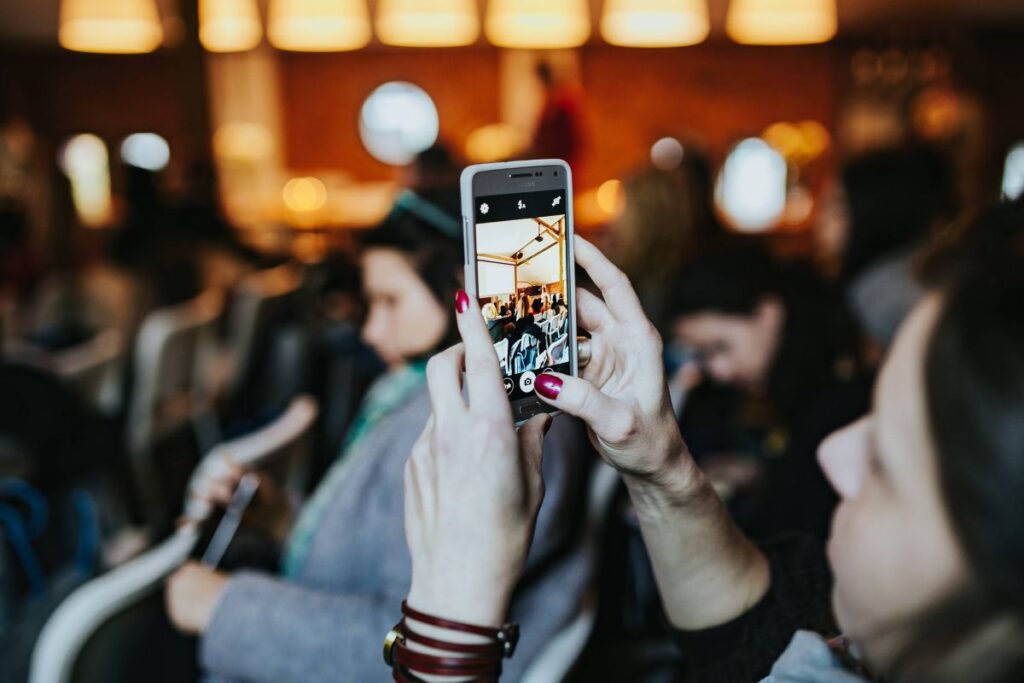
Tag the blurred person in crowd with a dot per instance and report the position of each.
(344, 563)
(223, 259)
(782, 337)
(667, 221)
(435, 169)
(19, 266)
(892, 202)
(559, 130)
(922, 571)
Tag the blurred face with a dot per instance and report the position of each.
(738, 350)
(893, 550)
(404, 319)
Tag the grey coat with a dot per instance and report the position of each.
(328, 623)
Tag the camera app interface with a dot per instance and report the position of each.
(521, 280)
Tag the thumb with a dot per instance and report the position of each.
(531, 439)
(610, 419)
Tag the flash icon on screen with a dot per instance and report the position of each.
(521, 205)
(484, 208)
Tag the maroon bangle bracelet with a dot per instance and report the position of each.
(495, 649)
(444, 666)
(507, 635)
(403, 655)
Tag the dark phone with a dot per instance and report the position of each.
(231, 520)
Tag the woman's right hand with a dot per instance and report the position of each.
(271, 510)
(622, 394)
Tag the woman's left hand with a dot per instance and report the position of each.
(191, 595)
(473, 485)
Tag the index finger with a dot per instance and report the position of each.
(615, 287)
(483, 374)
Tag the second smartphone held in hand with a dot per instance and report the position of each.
(518, 226)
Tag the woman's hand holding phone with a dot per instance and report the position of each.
(473, 485)
(622, 394)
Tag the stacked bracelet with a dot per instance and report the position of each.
(481, 662)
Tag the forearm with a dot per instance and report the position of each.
(707, 571)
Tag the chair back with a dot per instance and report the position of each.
(167, 396)
(114, 628)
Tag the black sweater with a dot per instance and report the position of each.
(743, 650)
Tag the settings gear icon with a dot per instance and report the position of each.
(484, 208)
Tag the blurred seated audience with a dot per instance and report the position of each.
(781, 336)
(342, 564)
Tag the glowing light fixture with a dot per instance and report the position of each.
(781, 22)
(1013, 173)
(610, 197)
(110, 26)
(398, 121)
(318, 25)
(667, 154)
(229, 25)
(427, 23)
(751, 187)
(146, 150)
(304, 194)
(84, 160)
(655, 23)
(537, 24)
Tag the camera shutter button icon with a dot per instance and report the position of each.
(526, 381)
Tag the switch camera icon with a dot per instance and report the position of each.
(484, 208)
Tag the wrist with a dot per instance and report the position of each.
(484, 603)
(677, 483)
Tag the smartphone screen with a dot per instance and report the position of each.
(523, 273)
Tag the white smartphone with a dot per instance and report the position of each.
(518, 224)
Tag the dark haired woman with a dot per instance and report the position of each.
(344, 562)
(927, 549)
(780, 336)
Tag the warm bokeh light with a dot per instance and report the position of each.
(242, 142)
(781, 22)
(146, 150)
(397, 122)
(655, 23)
(610, 197)
(537, 24)
(495, 142)
(751, 188)
(1013, 173)
(229, 25)
(667, 154)
(110, 26)
(303, 195)
(85, 162)
(427, 23)
(318, 25)
(800, 143)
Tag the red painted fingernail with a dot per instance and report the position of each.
(461, 301)
(548, 386)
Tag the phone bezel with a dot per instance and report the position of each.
(495, 179)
